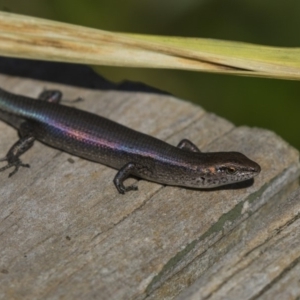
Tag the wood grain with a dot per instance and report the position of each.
(258, 260)
(66, 233)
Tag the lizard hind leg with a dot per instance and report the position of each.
(17, 149)
(55, 96)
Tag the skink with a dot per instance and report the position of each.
(101, 140)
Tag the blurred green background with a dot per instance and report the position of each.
(267, 103)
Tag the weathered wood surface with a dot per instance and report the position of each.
(66, 233)
(260, 259)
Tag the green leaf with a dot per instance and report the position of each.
(29, 37)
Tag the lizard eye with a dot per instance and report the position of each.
(231, 170)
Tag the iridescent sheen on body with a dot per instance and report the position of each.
(133, 153)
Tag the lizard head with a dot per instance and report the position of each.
(223, 168)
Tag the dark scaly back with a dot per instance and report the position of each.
(78, 131)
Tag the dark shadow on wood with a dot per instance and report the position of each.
(68, 73)
(233, 186)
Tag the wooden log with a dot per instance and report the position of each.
(260, 259)
(65, 232)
